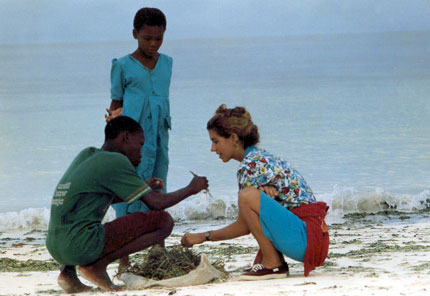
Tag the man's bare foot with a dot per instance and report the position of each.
(99, 277)
(69, 281)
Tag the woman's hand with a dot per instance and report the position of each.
(155, 183)
(190, 239)
(269, 190)
(111, 114)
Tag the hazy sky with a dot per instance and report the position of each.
(45, 21)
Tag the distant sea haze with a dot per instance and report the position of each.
(350, 112)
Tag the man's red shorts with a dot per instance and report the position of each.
(125, 229)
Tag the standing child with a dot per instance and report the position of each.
(140, 89)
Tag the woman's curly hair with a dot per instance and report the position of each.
(234, 121)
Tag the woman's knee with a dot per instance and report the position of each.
(248, 197)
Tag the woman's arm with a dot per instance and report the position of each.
(236, 229)
(257, 174)
(269, 190)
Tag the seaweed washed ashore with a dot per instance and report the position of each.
(376, 254)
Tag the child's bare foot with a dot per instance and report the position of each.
(124, 263)
(69, 281)
(99, 277)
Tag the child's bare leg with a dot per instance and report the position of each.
(124, 262)
(68, 280)
(96, 272)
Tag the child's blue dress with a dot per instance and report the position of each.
(145, 96)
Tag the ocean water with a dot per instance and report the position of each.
(350, 112)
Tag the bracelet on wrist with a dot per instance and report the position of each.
(207, 235)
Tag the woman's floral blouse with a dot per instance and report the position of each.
(261, 168)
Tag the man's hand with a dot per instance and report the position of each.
(190, 239)
(111, 114)
(198, 184)
(154, 202)
(155, 183)
(269, 190)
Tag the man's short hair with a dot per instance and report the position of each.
(119, 124)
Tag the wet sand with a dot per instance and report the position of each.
(369, 255)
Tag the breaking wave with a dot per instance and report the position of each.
(342, 201)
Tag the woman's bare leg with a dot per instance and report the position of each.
(249, 211)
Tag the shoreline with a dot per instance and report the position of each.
(369, 255)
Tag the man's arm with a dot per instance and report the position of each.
(159, 201)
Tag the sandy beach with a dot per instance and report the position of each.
(374, 254)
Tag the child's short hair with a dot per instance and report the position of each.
(119, 124)
(150, 17)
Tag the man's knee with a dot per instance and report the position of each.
(248, 196)
(166, 223)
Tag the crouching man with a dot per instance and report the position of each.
(94, 180)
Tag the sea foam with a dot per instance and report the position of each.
(342, 201)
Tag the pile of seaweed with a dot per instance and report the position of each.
(164, 263)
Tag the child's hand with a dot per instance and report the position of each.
(113, 113)
(269, 190)
(155, 183)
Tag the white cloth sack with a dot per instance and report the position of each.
(204, 273)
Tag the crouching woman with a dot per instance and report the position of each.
(275, 203)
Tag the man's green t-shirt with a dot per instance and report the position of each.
(81, 200)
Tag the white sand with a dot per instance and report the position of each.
(370, 256)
